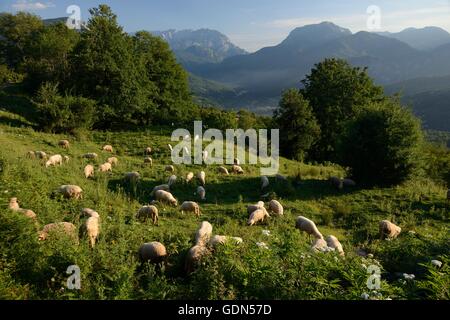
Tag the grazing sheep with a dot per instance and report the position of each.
(201, 177)
(31, 154)
(237, 169)
(223, 170)
(264, 182)
(90, 213)
(64, 144)
(172, 180)
(190, 206)
(71, 191)
(54, 160)
(148, 212)
(132, 176)
(257, 216)
(170, 168)
(105, 167)
(107, 148)
(189, 177)
(149, 161)
(148, 151)
(14, 206)
(348, 183)
(58, 227)
(194, 256)
(113, 161)
(41, 155)
(66, 159)
(90, 156)
(89, 171)
(308, 226)
(236, 162)
(164, 187)
(201, 193)
(92, 228)
(203, 233)
(389, 230)
(154, 252)
(319, 245)
(164, 196)
(251, 208)
(334, 243)
(336, 183)
(276, 207)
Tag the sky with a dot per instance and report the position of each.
(253, 24)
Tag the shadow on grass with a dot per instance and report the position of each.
(20, 105)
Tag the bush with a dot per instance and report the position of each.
(382, 145)
(63, 113)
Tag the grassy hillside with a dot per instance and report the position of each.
(30, 269)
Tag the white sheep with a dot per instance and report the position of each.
(320, 245)
(90, 213)
(164, 187)
(201, 193)
(155, 252)
(189, 177)
(105, 167)
(276, 207)
(170, 168)
(201, 177)
(308, 226)
(203, 233)
(251, 208)
(334, 243)
(237, 169)
(264, 182)
(71, 191)
(148, 151)
(257, 216)
(89, 171)
(164, 196)
(66, 159)
(64, 144)
(91, 155)
(31, 154)
(41, 155)
(54, 160)
(58, 227)
(195, 254)
(14, 206)
(132, 176)
(148, 160)
(107, 148)
(148, 212)
(113, 161)
(223, 170)
(172, 180)
(92, 229)
(190, 206)
(389, 230)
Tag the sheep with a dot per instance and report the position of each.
(257, 216)
(264, 182)
(154, 252)
(66, 159)
(276, 207)
(71, 192)
(236, 162)
(203, 233)
(113, 161)
(348, 183)
(148, 212)
(164, 196)
(194, 256)
(107, 148)
(201, 193)
(92, 228)
(90, 213)
(189, 177)
(237, 169)
(164, 187)
(254, 207)
(148, 151)
(170, 168)
(308, 226)
(89, 171)
(172, 180)
(334, 243)
(54, 160)
(190, 206)
(132, 176)
(58, 227)
(41, 155)
(223, 170)
(91, 156)
(105, 167)
(14, 206)
(31, 154)
(319, 245)
(148, 160)
(336, 183)
(389, 230)
(64, 144)
(201, 177)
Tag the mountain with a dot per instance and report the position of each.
(200, 46)
(427, 38)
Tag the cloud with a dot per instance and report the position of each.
(27, 5)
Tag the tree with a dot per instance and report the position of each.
(382, 144)
(298, 126)
(336, 92)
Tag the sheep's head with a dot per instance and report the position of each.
(42, 235)
(174, 202)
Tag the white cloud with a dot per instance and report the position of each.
(27, 5)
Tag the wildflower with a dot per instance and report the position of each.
(365, 296)
(408, 276)
(262, 245)
(266, 233)
(436, 263)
